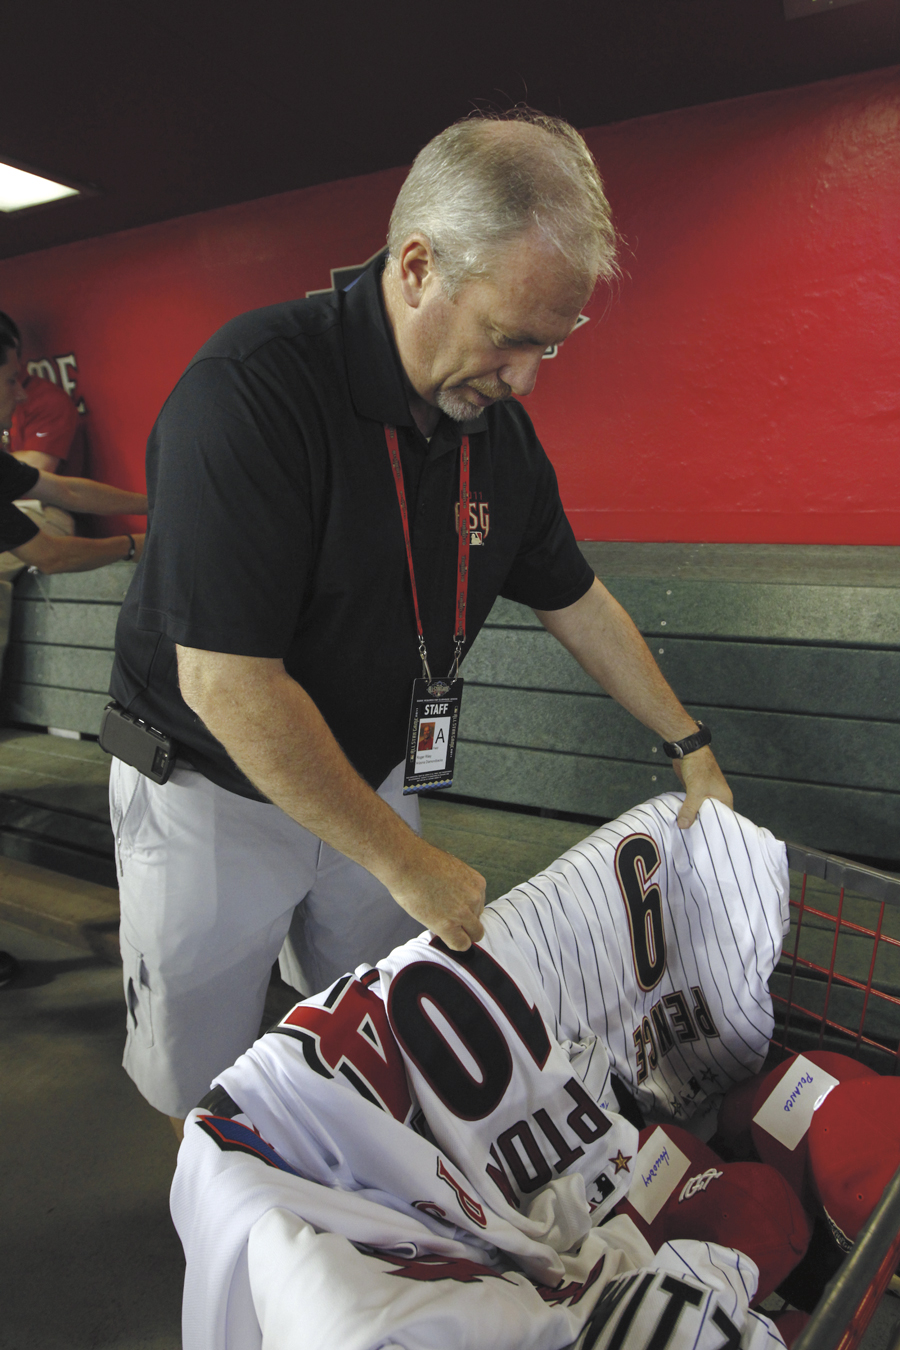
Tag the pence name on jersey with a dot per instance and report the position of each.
(658, 943)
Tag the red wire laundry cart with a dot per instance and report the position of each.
(835, 988)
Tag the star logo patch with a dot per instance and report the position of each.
(622, 1162)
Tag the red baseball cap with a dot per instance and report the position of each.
(748, 1206)
(854, 1150)
(742, 1102)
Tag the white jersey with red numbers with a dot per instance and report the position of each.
(688, 1297)
(425, 1152)
(278, 1262)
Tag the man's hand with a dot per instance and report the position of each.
(275, 733)
(443, 893)
(84, 495)
(702, 778)
(51, 553)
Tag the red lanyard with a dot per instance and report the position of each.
(462, 556)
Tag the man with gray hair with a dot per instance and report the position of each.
(310, 479)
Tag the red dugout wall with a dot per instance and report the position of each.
(742, 385)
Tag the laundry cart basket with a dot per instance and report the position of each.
(837, 987)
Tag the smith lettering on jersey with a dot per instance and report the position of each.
(429, 1152)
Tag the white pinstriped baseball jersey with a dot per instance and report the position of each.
(656, 944)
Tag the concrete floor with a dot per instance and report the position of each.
(88, 1254)
(88, 1257)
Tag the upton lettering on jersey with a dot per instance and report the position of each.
(526, 1156)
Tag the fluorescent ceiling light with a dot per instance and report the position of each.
(799, 9)
(19, 190)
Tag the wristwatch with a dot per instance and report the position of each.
(678, 749)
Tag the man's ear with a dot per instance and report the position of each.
(416, 270)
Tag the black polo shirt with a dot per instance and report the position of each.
(16, 480)
(274, 528)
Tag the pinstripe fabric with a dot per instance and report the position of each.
(723, 900)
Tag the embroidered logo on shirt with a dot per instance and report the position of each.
(698, 1183)
(479, 521)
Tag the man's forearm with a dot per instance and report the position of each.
(83, 495)
(275, 733)
(606, 643)
(69, 553)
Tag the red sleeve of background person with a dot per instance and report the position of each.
(47, 421)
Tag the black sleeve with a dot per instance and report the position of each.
(550, 571)
(228, 546)
(16, 480)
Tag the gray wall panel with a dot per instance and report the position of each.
(837, 820)
(772, 745)
(524, 659)
(836, 681)
(84, 668)
(104, 585)
(764, 611)
(65, 623)
(809, 564)
(574, 783)
(839, 681)
(42, 707)
(791, 653)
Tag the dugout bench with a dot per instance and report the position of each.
(790, 653)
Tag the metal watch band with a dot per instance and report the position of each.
(678, 749)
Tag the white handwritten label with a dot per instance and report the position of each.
(787, 1111)
(658, 1168)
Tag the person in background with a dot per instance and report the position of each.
(45, 432)
(33, 546)
(23, 539)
